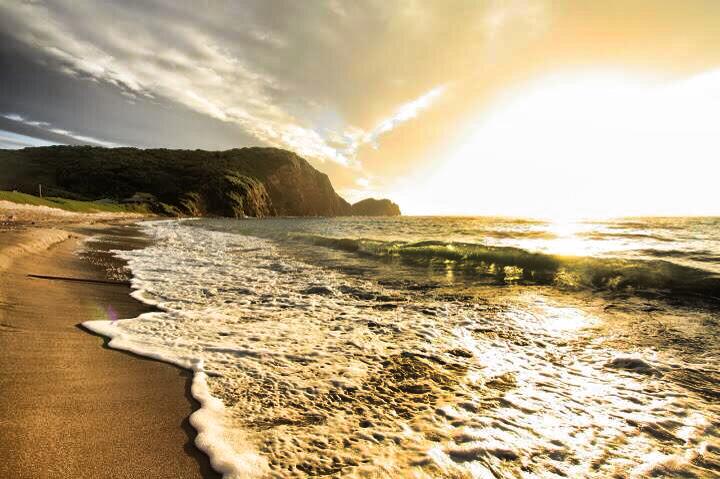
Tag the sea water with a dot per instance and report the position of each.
(439, 347)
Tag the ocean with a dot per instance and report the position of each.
(428, 347)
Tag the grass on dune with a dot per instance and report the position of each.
(69, 205)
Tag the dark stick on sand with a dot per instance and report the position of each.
(81, 280)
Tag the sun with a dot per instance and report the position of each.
(583, 145)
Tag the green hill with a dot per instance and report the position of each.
(249, 181)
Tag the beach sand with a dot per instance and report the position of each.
(70, 407)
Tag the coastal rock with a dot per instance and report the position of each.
(319, 290)
(375, 207)
(637, 365)
(231, 195)
(294, 186)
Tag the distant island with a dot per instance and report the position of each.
(373, 207)
(245, 182)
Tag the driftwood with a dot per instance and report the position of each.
(80, 280)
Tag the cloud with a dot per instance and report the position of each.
(12, 141)
(258, 65)
(502, 15)
(203, 75)
(46, 127)
(313, 77)
(16, 117)
(352, 138)
(404, 113)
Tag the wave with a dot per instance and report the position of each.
(602, 236)
(511, 264)
(704, 256)
(501, 234)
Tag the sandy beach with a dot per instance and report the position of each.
(70, 407)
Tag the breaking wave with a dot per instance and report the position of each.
(510, 264)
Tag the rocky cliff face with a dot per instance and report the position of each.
(255, 181)
(373, 207)
(294, 186)
(244, 196)
(230, 195)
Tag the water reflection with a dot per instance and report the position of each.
(550, 405)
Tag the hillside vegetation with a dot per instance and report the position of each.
(241, 182)
(70, 205)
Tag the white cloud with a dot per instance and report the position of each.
(531, 17)
(405, 112)
(354, 138)
(13, 141)
(337, 8)
(59, 131)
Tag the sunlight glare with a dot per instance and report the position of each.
(590, 145)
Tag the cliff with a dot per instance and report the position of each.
(373, 207)
(235, 183)
(230, 195)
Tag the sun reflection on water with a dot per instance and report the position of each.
(552, 396)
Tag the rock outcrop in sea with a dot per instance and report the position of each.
(374, 207)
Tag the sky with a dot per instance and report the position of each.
(509, 107)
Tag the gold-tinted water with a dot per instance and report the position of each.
(327, 374)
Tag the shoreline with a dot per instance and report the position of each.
(63, 387)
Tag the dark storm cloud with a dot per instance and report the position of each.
(32, 87)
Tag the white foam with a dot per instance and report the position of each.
(232, 459)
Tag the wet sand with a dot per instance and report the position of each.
(70, 407)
